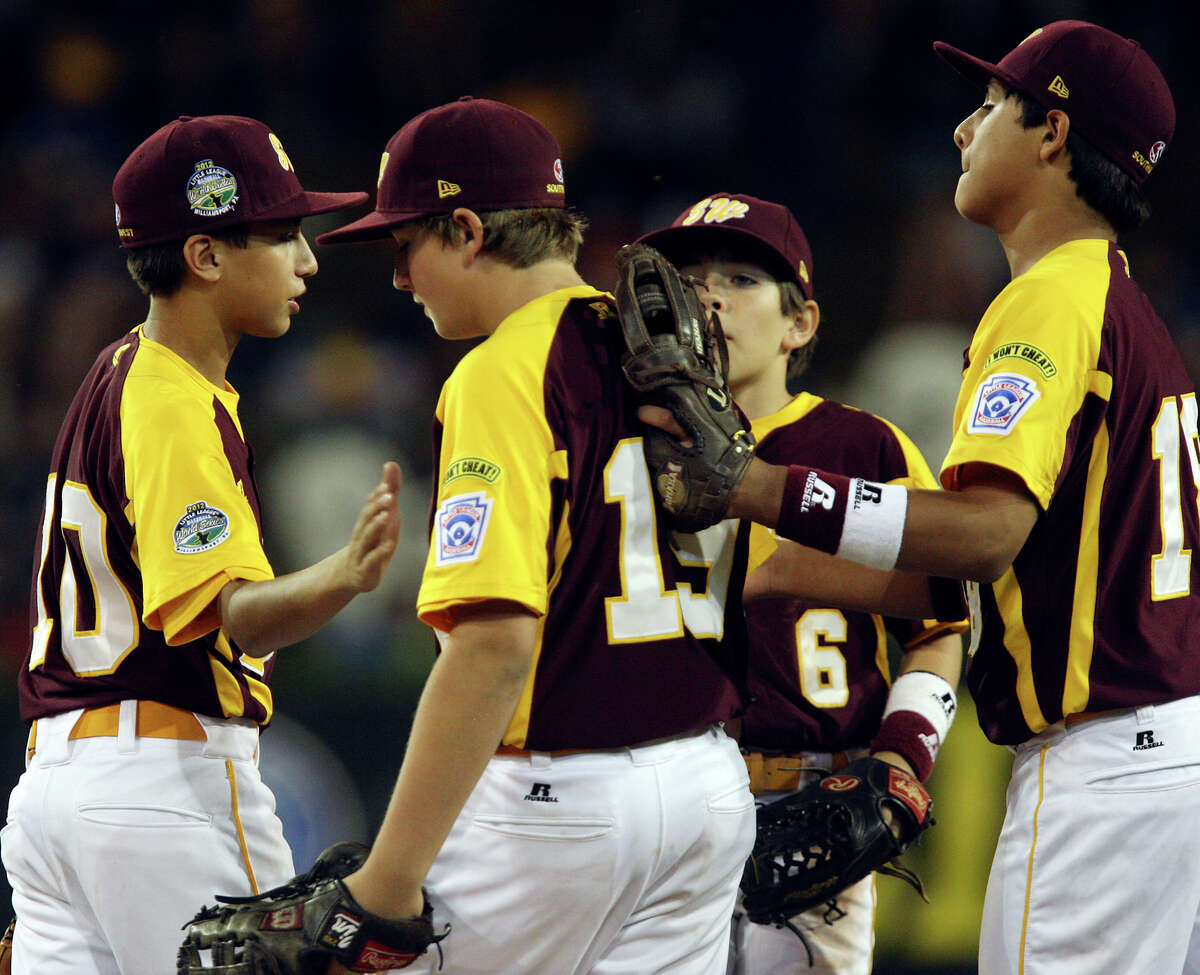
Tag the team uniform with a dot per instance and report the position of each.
(614, 790)
(141, 794)
(819, 676)
(1082, 654)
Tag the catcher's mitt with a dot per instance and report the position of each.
(676, 357)
(815, 843)
(299, 928)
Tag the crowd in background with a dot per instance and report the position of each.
(837, 108)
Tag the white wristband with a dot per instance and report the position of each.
(874, 524)
(928, 695)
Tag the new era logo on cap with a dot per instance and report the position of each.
(196, 175)
(767, 229)
(1111, 90)
(474, 153)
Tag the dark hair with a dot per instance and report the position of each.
(518, 237)
(159, 269)
(1099, 181)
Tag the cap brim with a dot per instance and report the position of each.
(312, 204)
(972, 68)
(374, 226)
(671, 240)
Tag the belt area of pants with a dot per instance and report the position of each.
(1079, 717)
(514, 751)
(787, 773)
(154, 720)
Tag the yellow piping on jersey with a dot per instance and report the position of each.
(237, 822)
(229, 691)
(1082, 641)
(1016, 641)
(517, 732)
(261, 693)
(1032, 849)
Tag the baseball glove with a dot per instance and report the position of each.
(818, 841)
(675, 356)
(6, 948)
(299, 928)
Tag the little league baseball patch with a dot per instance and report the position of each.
(461, 524)
(1002, 399)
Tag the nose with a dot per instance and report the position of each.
(710, 298)
(963, 131)
(400, 279)
(306, 267)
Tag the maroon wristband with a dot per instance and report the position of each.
(911, 736)
(813, 512)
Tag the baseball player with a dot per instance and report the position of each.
(1071, 507)
(819, 676)
(156, 613)
(568, 796)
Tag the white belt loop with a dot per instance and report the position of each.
(235, 738)
(52, 746)
(1145, 714)
(540, 760)
(127, 727)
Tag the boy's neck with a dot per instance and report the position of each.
(761, 399)
(189, 328)
(502, 288)
(1043, 228)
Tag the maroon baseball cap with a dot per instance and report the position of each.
(1115, 96)
(195, 175)
(769, 229)
(473, 153)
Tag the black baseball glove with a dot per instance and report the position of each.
(676, 358)
(818, 841)
(299, 928)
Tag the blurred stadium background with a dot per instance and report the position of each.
(837, 108)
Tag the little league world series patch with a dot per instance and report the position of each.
(201, 528)
(1001, 400)
(211, 190)
(461, 523)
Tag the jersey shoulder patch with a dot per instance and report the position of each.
(461, 524)
(1000, 401)
(201, 528)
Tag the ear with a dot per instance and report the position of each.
(1054, 137)
(803, 328)
(201, 256)
(472, 228)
